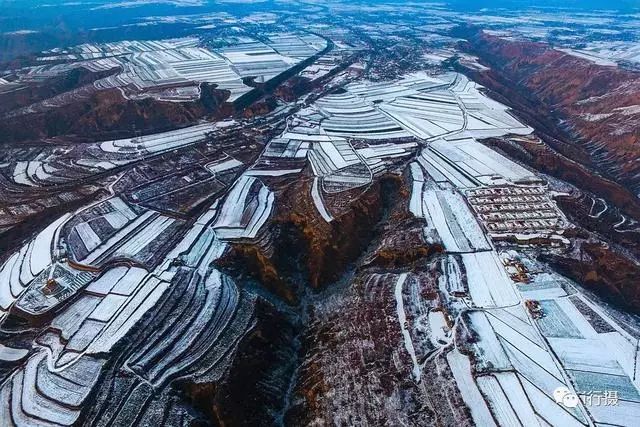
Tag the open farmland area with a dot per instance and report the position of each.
(271, 213)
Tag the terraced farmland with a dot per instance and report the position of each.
(285, 213)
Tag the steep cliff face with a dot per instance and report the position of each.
(299, 246)
(355, 369)
(252, 392)
(342, 281)
(598, 107)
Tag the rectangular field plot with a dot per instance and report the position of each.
(442, 171)
(564, 320)
(586, 355)
(508, 398)
(623, 414)
(488, 282)
(480, 162)
(348, 115)
(461, 369)
(541, 289)
(586, 382)
(556, 323)
(148, 66)
(550, 412)
(159, 142)
(245, 210)
(447, 213)
(488, 349)
(498, 401)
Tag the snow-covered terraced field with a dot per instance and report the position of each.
(95, 225)
(489, 285)
(379, 156)
(297, 46)
(427, 107)
(287, 148)
(245, 209)
(176, 67)
(461, 369)
(52, 387)
(509, 341)
(35, 395)
(475, 162)
(147, 65)
(150, 306)
(351, 116)
(108, 50)
(607, 52)
(284, 155)
(520, 360)
(199, 314)
(137, 241)
(422, 106)
(209, 308)
(449, 218)
(24, 265)
(159, 142)
(427, 115)
(60, 166)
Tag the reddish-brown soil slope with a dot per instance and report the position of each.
(597, 107)
(107, 114)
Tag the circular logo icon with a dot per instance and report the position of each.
(570, 400)
(559, 393)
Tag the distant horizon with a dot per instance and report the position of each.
(28, 26)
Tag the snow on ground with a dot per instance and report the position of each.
(488, 347)
(156, 143)
(590, 56)
(550, 412)
(245, 210)
(20, 268)
(488, 282)
(272, 172)
(89, 237)
(448, 214)
(10, 354)
(479, 161)
(623, 414)
(498, 401)
(144, 237)
(517, 397)
(128, 314)
(43, 245)
(402, 318)
(318, 202)
(107, 281)
(20, 175)
(461, 369)
(438, 327)
(217, 167)
(415, 204)
(7, 294)
(133, 227)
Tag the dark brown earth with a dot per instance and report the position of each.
(107, 114)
